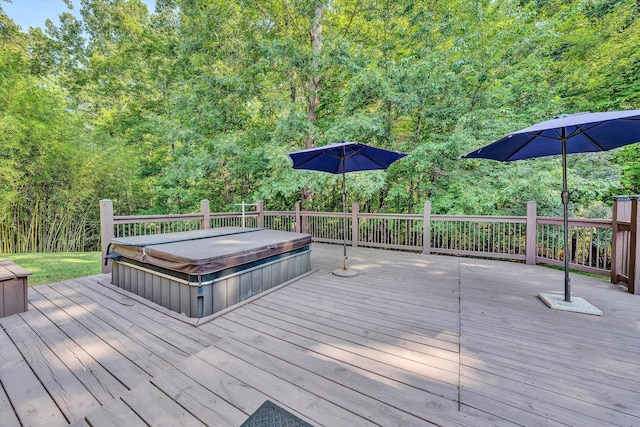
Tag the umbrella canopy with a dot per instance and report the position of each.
(340, 158)
(582, 132)
(344, 157)
(566, 134)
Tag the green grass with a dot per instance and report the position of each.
(583, 273)
(54, 267)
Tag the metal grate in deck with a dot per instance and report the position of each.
(271, 415)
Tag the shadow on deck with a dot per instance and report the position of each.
(412, 340)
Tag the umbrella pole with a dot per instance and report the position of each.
(344, 214)
(565, 203)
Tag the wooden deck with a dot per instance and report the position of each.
(412, 340)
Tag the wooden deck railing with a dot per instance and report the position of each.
(605, 247)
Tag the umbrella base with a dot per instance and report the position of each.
(576, 305)
(341, 272)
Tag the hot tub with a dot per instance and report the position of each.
(198, 273)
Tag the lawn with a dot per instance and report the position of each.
(54, 267)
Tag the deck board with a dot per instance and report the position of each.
(114, 414)
(349, 328)
(95, 378)
(117, 364)
(28, 396)
(197, 399)
(134, 338)
(412, 340)
(149, 362)
(239, 361)
(370, 360)
(158, 409)
(178, 334)
(371, 393)
(360, 318)
(9, 417)
(70, 395)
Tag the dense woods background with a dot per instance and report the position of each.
(198, 99)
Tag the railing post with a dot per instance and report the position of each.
(621, 213)
(299, 216)
(426, 229)
(260, 210)
(634, 250)
(206, 214)
(355, 226)
(106, 230)
(620, 257)
(531, 249)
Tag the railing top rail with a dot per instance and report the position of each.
(328, 214)
(361, 215)
(231, 214)
(479, 218)
(585, 222)
(279, 213)
(589, 222)
(129, 219)
(390, 216)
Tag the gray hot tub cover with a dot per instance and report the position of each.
(207, 251)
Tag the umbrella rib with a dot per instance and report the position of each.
(320, 153)
(369, 158)
(583, 131)
(514, 152)
(355, 152)
(309, 160)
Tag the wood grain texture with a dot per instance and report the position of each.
(412, 340)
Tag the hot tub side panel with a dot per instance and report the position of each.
(198, 300)
(169, 292)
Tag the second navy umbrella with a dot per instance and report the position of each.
(566, 134)
(341, 158)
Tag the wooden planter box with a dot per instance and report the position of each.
(13, 288)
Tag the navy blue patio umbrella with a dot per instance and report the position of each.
(340, 158)
(566, 134)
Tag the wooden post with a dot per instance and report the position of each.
(426, 229)
(634, 261)
(355, 225)
(621, 204)
(621, 213)
(260, 210)
(299, 216)
(206, 214)
(531, 249)
(106, 230)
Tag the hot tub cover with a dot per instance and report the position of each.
(200, 252)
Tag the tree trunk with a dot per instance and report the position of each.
(313, 96)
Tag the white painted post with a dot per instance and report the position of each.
(426, 229)
(206, 214)
(106, 230)
(531, 249)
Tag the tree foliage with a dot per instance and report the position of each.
(204, 99)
